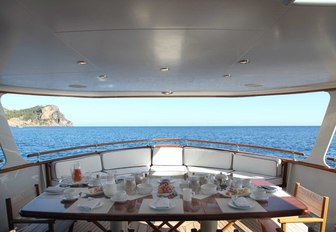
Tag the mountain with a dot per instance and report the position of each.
(48, 115)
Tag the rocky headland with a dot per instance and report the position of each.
(48, 115)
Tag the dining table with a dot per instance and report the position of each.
(207, 209)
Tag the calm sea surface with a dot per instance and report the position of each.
(37, 139)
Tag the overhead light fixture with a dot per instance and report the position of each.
(311, 2)
(167, 92)
(164, 69)
(81, 62)
(244, 61)
(102, 77)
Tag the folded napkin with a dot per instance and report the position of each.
(162, 203)
(241, 202)
(89, 204)
(55, 190)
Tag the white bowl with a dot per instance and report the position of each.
(208, 189)
(144, 189)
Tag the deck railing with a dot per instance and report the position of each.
(234, 147)
(46, 157)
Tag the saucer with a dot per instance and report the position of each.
(153, 206)
(119, 200)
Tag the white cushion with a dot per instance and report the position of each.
(211, 158)
(192, 169)
(121, 171)
(88, 164)
(168, 170)
(265, 166)
(125, 158)
(167, 156)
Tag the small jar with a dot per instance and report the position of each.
(130, 185)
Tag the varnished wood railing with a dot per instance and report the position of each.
(85, 146)
(248, 146)
(237, 145)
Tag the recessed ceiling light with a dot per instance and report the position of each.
(81, 62)
(167, 92)
(227, 75)
(102, 77)
(253, 85)
(77, 86)
(164, 69)
(244, 61)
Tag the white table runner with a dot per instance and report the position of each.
(107, 204)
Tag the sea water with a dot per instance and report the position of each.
(37, 139)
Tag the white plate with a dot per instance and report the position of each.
(153, 206)
(264, 198)
(224, 193)
(119, 201)
(54, 193)
(54, 190)
(269, 189)
(68, 181)
(100, 204)
(252, 204)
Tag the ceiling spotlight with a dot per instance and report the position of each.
(244, 61)
(81, 62)
(167, 92)
(164, 69)
(311, 2)
(227, 75)
(102, 77)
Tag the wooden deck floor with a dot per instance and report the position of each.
(246, 225)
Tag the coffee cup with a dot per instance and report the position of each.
(69, 193)
(187, 194)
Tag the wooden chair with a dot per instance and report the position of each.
(317, 205)
(33, 224)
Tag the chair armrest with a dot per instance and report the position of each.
(299, 220)
(267, 224)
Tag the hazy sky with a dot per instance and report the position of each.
(299, 109)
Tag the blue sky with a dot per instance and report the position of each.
(287, 110)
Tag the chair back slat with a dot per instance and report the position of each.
(313, 201)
